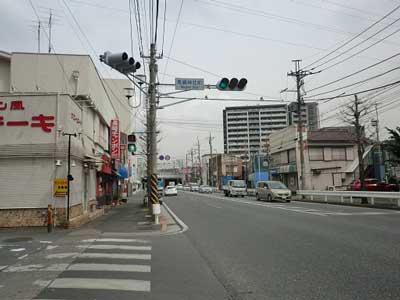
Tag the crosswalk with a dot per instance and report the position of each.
(108, 268)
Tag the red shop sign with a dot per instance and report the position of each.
(114, 139)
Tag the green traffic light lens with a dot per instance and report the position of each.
(131, 148)
(223, 84)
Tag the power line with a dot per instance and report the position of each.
(362, 50)
(163, 35)
(156, 29)
(359, 92)
(358, 82)
(357, 72)
(359, 43)
(353, 38)
(173, 37)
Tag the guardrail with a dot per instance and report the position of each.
(352, 195)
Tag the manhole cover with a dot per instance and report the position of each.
(18, 240)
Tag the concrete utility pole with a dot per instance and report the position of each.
(210, 165)
(381, 171)
(151, 130)
(300, 74)
(50, 23)
(191, 169)
(199, 155)
(360, 148)
(38, 34)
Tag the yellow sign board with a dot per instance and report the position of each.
(60, 187)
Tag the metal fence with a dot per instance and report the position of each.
(374, 198)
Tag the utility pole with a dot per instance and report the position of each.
(360, 148)
(69, 176)
(50, 23)
(191, 169)
(199, 155)
(151, 130)
(376, 124)
(210, 165)
(300, 74)
(38, 33)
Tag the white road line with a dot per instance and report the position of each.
(17, 250)
(101, 284)
(62, 255)
(23, 256)
(3, 267)
(116, 256)
(30, 268)
(110, 267)
(120, 247)
(111, 240)
(215, 206)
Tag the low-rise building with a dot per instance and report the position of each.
(43, 98)
(223, 167)
(330, 157)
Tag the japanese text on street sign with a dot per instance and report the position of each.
(189, 83)
(60, 187)
(40, 120)
(115, 139)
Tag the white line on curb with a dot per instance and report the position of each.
(179, 221)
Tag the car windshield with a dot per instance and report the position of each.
(276, 185)
(238, 183)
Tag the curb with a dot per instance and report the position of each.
(181, 224)
(347, 204)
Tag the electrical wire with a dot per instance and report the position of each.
(354, 73)
(358, 82)
(359, 92)
(353, 38)
(156, 27)
(163, 35)
(173, 38)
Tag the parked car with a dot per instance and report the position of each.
(373, 184)
(186, 188)
(272, 190)
(171, 191)
(160, 190)
(205, 189)
(235, 188)
(179, 187)
(194, 188)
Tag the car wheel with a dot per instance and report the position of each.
(242, 196)
(269, 198)
(287, 201)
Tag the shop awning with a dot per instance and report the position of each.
(123, 172)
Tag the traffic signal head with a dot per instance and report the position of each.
(233, 84)
(120, 62)
(132, 148)
(131, 138)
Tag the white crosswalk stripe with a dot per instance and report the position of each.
(121, 247)
(105, 264)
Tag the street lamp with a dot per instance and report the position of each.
(69, 176)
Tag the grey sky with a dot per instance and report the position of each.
(258, 43)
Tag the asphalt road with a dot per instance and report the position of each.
(234, 249)
(260, 250)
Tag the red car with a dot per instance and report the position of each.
(373, 184)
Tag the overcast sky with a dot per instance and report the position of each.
(256, 39)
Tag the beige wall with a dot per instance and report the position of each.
(4, 75)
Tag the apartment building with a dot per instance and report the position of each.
(246, 128)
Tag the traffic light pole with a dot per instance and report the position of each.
(69, 176)
(151, 128)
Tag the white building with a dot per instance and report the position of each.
(246, 128)
(43, 96)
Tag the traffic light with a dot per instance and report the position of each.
(132, 143)
(233, 84)
(120, 62)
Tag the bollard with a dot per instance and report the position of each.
(49, 218)
(156, 212)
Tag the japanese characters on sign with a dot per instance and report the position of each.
(114, 139)
(40, 120)
(60, 187)
(189, 83)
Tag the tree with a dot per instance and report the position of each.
(352, 115)
(393, 143)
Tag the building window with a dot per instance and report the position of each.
(292, 155)
(338, 153)
(316, 153)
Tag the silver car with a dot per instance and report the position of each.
(205, 189)
(272, 190)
